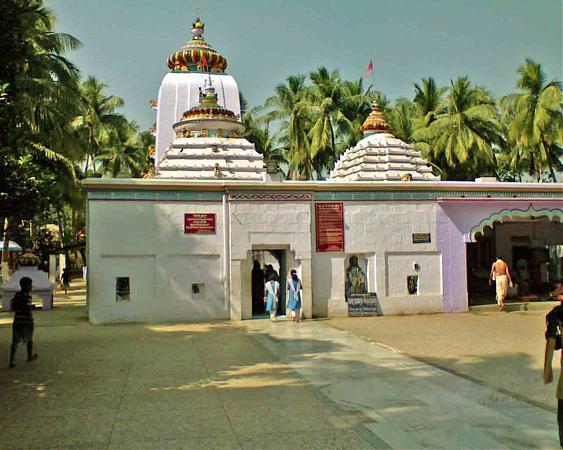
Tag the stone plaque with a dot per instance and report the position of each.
(199, 223)
(421, 238)
(364, 305)
(329, 219)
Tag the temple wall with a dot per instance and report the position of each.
(284, 225)
(145, 241)
(380, 234)
(175, 276)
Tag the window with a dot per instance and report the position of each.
(122, 289)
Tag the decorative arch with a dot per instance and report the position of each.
(552, 215)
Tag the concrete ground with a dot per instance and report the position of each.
(198, 386)
(254, 384)
(501, 350)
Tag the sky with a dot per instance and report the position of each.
(126, 42)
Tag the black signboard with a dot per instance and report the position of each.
(420, 238)
(364, 305)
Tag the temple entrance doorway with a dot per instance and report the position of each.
(265, 263)
(533, 249)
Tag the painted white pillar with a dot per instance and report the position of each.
(337, 301)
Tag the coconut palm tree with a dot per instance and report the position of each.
(325, 104)
(37, 98)
(428, 100)
(401, 120)
(288, 108)
(124, 153)
(97, 120)
(460, 140)
(356, 106)
(537, 121)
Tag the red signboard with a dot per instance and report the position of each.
(329, 218)
(199, 223)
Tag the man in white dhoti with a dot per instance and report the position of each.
(501, 275)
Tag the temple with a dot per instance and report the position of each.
(182, 243)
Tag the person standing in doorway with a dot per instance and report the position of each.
(501, 276)
(271, 295)
(22, 328)
(65, 279)
(294, 288)
(554, 319)
(257, 289)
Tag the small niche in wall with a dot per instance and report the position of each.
(198, 291)
(122, 289)
(412, 284)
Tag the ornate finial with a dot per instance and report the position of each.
(198, 28)
(375, 122)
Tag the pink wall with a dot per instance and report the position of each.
(455, 218)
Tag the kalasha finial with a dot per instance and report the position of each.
(375, 122)
(198, 28)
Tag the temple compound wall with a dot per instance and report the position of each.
(145, 265)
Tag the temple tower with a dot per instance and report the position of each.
(190, 67)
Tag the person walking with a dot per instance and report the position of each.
(271, 295)
(294, 289)
(22, 327)
(65, 279)
(501, 276)
(554, 319)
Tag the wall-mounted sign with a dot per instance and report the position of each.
(420, 238)
(329, 219)
(364, 305)
(199, 223)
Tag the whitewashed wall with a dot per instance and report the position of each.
(145, 240)
(268, 225)
(380, 234)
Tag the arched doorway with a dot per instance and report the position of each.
(530, 241)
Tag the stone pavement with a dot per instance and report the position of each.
(251, 385)
(407, 404)
(197, 386)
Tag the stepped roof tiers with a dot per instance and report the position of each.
(380, 156)
(208, 145)
(190, 67)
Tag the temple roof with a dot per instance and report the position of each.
(380, 156)
(212, 158)
(197, 54)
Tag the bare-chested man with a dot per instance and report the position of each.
(501, 275)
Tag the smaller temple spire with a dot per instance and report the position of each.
(375, 122)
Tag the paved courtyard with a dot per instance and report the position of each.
(254, 384)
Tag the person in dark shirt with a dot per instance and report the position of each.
(554, 320)
(65, 279)
(22, 328)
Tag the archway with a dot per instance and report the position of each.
(530, 241)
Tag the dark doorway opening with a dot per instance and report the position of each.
(268, 261)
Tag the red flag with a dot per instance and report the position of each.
(369, 69)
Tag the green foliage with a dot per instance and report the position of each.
(534, 121)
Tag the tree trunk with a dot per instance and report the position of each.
(549, 163)
(6, 252)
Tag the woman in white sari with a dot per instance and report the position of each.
(271, 295)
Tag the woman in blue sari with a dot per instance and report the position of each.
(294, 288)
(271, 295)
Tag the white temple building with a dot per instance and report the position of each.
(181, 245)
